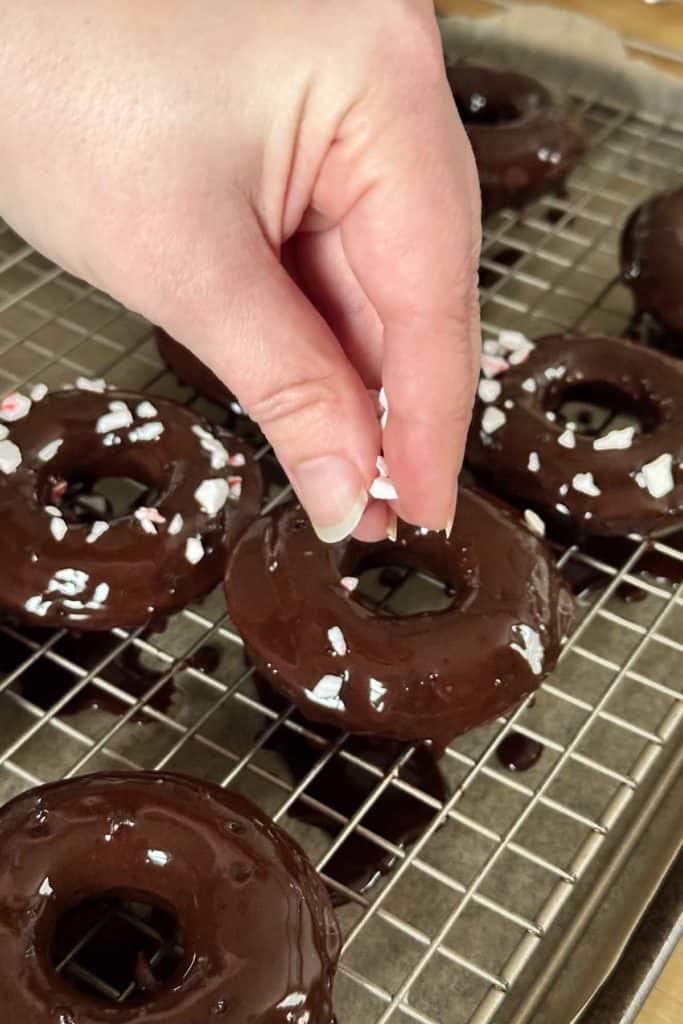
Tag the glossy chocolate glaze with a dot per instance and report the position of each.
(191, 370)
(429, 676)
(518, 753)
(147, 574)
(648, 384)
(260, 941)
(652, 259)
(523, 144)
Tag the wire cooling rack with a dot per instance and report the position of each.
(468, 905)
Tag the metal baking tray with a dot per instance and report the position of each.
(489, 914)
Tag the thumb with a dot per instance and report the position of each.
(261, 335)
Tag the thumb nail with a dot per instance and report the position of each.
(332, 492)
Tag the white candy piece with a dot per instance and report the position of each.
(534, 463)
(384, 407)
(69, 582)
(117, 419)
(377, 692)
(100, 593)
(567, 439)
(149, 519)
(493, 419)
(615, 440)
(117, 405)
(235, 485)
(237, 460)
(555, 372)
(534, 522)
(14, 407)
(562, 509)
(585, 484)
(349, 583)
(337, 640)
(489, 390)
(211, 496)
(529, 385)
(176, 524)
(531, 648)
(383, 489)
(492, 365)
(58, 528)
(657, 476)
(491, 347)
(513, 341)
(38, 392)
(50, 450)
(98, 385)
(110, 440)
(326, 693)
(37, 606)
(194, 550)
(146, 411)
(10, 457)
(96, 530)
(147, 432)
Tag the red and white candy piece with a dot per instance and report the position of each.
(235, 487)
(493, 419)
(337, 640)
(96, 530)
(38, 392)
(14, 407)
(149, 519)
(382, 487)
(50, 450)
(349, 583)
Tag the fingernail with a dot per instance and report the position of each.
(451, 520)
(331, 489)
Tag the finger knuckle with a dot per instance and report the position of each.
(312, 399)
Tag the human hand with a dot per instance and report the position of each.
(285, 187)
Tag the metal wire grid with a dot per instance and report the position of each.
(468, 905)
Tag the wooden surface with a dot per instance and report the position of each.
(659, 25)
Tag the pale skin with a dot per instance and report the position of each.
(284, 186)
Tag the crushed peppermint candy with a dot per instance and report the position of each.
(489, 390)
(38, 392)
(111, 439)
(14, 407)
(520, 355)
(585, 484)
(382, 488)
(492, 365)
(235, 485)
(96, 530)
(100, 593)
(58, 528)
(529, 385)
(491, 347)
(98, 385)
(237, 460)
(349, 583)
(493, 419)
(37, 606)
(383, 402)
(531, 647)
(567, 439)
(176, 524)
(149, 519)
(50, 450)
(146, 411)
(615, 440)
(117, 405)
(377, 692)
(514, 341)
(211, 495)
(117, 419)
(382, 467)
(69, 582)
(337, 641)
(4, 432)
(555, 372)
(212, 446)
(564, 489)
(52, 510)
(657, 476)
(562, 509)
(194, 550)
(534, 463)
(534, 522)
(10, 457)
(508, 403)
(326, 692)
(147, 432)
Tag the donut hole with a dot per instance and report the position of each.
(594, 407)
(116, 948)
(86, 493)
(400, 583)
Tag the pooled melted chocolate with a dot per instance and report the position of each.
(652, 261)
(429, 676)
(518, 753)
(258, 935)
(523, 144)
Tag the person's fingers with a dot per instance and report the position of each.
(323, 271)
(412, 237)
(257, 331)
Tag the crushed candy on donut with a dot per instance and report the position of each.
(237, 460)
(10, 457)
(58, 528)
(211, 495)
(96, 530)
(146, 411)
(212, 446)
(567, 439)
(489, 390)
(534, 463)
(147, 432)
(493, 419)
(349, 583)
(534, 522)
(615, 440)
(235, 485)
(38, 392)
(36, 605)
(377, 692)
(337, 640)
(382, 467)
(326, 693)
(176, 524)
(555, 372)
(111, 439)
(585, 484)
(194, 550)
(491, 366)
(69, 582)
(529, 385)
(98, 385)
(118, 419)
(383, 489)
(14, 407)
(4, 432)
(514, 341)
(657, 476)
(50, 450)
(520, 355)
(384, 408)
(149, 519)
(100, 593)
(531, 647)
(562, 509)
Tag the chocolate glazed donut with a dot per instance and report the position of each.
(98, 575)
(652, 260)
(523, 144)
(618, 482)
(428, 676)
(259, 938)
(191, 370)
